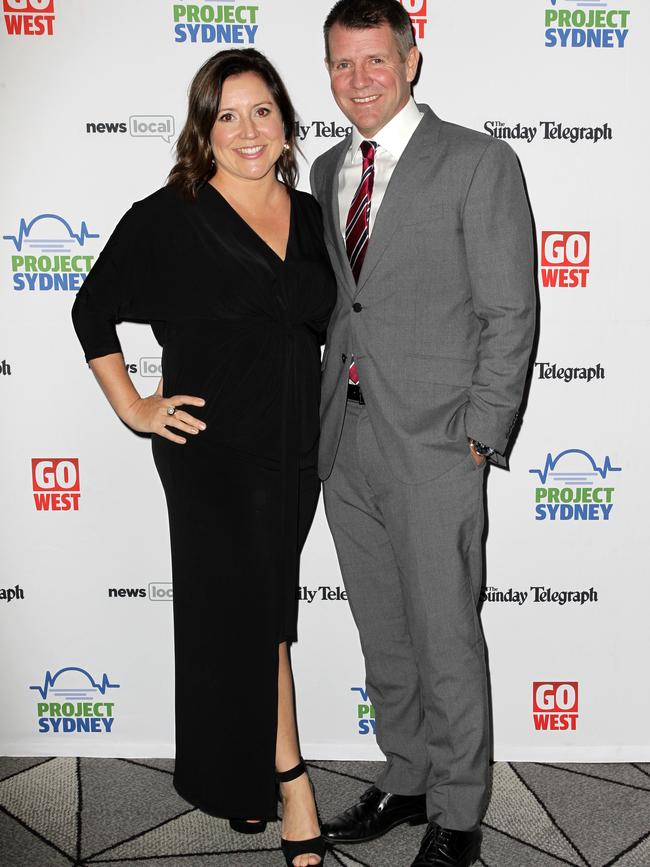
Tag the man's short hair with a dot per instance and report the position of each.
(360, 14)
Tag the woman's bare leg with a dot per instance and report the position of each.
(299, 819)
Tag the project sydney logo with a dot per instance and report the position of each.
(585, 24)
(574, 487)
(365, 712)
(80, 702)
(228, 23)
(49, 254)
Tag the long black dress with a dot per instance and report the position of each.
(241, 328)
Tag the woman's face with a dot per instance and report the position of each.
(248, 134)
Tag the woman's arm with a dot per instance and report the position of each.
(144, 414)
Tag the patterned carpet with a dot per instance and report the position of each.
(123, 812)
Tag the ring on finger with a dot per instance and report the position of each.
(171, 410)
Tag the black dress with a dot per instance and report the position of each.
(242, 329)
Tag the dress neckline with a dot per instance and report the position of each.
(252, 231)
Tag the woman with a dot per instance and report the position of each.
(228, 265)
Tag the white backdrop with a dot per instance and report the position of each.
(93, 96)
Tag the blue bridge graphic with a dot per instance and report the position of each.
(587, 3)
(579, 468)
(49, 233)
(74, 684)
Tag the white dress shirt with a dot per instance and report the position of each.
(391, 140)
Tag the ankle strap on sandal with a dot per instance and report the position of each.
(293, 774)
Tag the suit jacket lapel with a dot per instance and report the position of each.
(332, 212)
(405, 185)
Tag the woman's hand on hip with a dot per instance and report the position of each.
(156, 414)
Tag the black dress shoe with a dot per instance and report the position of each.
(375, 814)
(442, 847)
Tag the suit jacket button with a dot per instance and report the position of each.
(344, 357)
(357, 307)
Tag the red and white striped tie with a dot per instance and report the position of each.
(358, 223)
(357, 228)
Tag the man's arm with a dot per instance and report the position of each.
(499, 246)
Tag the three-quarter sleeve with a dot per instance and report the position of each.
(117, 287)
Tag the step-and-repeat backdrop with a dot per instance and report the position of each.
(93, 97)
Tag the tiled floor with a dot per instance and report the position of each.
(124, 812)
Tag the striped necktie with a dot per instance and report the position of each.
(357, 228)
(358, 223)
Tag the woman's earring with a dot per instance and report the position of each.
(286, 147)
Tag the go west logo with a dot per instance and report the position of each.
(47, 254)
(575, 492)
(55, 484)
(417, 10)
(565, 259)
(29, 17)
(228, 23)
(555, 705)
(365, 712)
(80, 704)
(573, 27)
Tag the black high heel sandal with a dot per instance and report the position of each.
(245, 827)
(292, 848)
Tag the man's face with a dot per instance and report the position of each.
(370, 82)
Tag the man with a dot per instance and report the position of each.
(429, 233)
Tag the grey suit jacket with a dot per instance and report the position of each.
(445, 304)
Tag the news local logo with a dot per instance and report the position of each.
(365, 712)
(223, 23)
(555, 705)
(585, 24)
(159, 591)
(138, 125)
(29, 17)
(71, 701)
(417, 10)
(574, 487)
(565, 259)
(55, 484)
(150, 366)
(48, 254)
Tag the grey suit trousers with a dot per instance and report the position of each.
(411, 561)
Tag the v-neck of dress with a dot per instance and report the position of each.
(257, 235)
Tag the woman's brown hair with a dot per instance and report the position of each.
(194, 159)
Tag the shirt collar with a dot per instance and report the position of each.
(396, 134)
